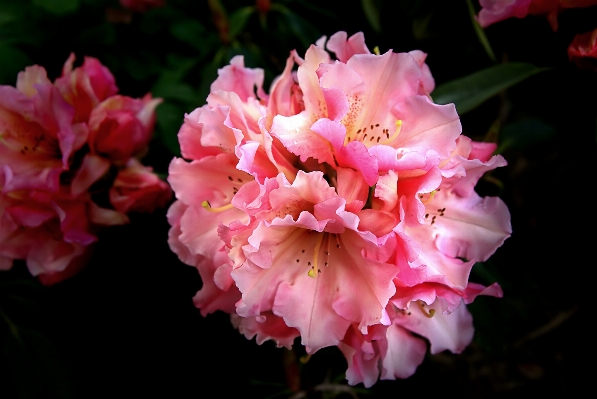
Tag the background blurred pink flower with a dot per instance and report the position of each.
(50, 181)
(497, 10)
(583, 50)
(137, 189)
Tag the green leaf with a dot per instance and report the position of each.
(58, 7)
(421, 27)
(104, 34)
(12, 11)
(141, 65)
(471, 91)
(176, 91)
(299, 26)
(372, 14)
(170, 118)
(238, 20)
(25, 31)
(189, 31)
(38, 368)
(170, 85)
(524, 133)
(480, 32)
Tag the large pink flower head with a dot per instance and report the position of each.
(339, 208)
(61, 144)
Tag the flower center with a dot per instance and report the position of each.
(372, 134)
(324, 240)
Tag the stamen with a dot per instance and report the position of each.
(311, 272)
(376, 50)
(396, 133)
(305, 359)
(208, 207)
(428, 200)
(429, 313)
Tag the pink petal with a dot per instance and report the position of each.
(404, 353)
(451, 332)
(345, 49)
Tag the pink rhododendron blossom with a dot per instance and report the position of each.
(137, 189)
(339, 208)
(583, 50)
(493, 11)
(58, 140)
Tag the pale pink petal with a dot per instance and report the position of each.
(355, 155)
(352, 186)
(451, 332)
(31, 77)
(29, 214)
(427, 126)
(387, 80)
(404, 353)
(470, 228)
(241, 116)
(345, 49)
(174, 214)
(220, 180)
(50, 255)
(74, 222)
(253, 159)
(266, 327)
(240, 80)
(415, 192)
(497, 10)
(447, 299)
(106, 217)
(212, 297)
(473, 290)
(285, 94)
(314, 101)
(92, 168)
(427, 81)
(390, 158)
(199, 229)
(190, 135)
(137, 189)
(296, 135)
(362, 355)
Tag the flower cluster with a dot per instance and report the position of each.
(339, 208)
(68, 165)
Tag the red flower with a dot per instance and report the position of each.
(583, 50)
